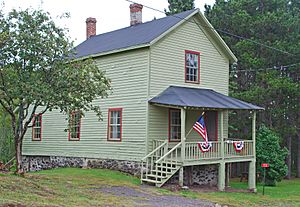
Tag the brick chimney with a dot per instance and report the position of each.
(135, 14)
(90, 27)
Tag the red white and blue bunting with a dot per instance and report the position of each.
(238, 145)
(204, 146)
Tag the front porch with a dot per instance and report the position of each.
(168, 156)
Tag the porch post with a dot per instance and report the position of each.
(222, 135)
(221, 176)
(221, 171)
(183, 118)
(252, 168)
(254, 133)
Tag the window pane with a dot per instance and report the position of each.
(75, 125)
(114, 132)
(36, 127)
(115, 125)
(175, 125)
(192, 67)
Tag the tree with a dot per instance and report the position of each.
(38, 73)
(269, 151)
(274, 23)
(6, 139)
(177, 6)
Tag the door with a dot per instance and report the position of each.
(211, 122)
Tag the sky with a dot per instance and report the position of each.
(110, 14)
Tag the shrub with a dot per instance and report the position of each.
(268, 150)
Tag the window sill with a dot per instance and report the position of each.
(36, 140)
(193, 82)
(114, 140)
(74, 139)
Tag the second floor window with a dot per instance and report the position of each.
(37, 127)
(192, 66)
(174, 125)
(114, 124)
(74, 126)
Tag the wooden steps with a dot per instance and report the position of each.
(161, 173)
(159, 169)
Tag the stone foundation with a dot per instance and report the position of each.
(198, 175)
(36, 163)
(195, 175)
(131, 167)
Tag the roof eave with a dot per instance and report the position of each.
(203, 108)
(174, 27)
(230, 54)
(114, 51)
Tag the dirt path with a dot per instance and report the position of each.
(144, 196)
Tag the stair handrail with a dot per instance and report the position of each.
(155, 150)
(169, 152)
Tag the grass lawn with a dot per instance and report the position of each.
(78, 187)
(64, 187)
(286, 193)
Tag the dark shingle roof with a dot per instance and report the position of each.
(130, 36)
(200, 98)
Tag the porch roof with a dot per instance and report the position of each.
(200, 98)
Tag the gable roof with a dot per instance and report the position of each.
(140, 35)
(200, 98)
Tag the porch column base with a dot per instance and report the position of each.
(252, 176)
(221, 176)
(181, 177)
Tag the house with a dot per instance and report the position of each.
(165, 73)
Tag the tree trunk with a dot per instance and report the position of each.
(289, 157)
(298, 155)
(19, 167)
(18, 141)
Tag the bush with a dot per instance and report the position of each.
(6, 139)
(268, 150)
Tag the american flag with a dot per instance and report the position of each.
(199, 127)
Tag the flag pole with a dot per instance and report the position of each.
(192, 127)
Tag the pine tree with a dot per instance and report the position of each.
(275, 23)
(177, 6)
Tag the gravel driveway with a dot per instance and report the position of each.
(143, 196)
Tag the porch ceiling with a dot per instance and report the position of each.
(200, 98)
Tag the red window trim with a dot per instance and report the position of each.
(192, 52)
(69, 134)
(33, 126)
(108, 124)
(169, 126)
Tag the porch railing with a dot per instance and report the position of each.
(192, 151)
(172, 156)
(148, 162)
(157, 142)
(230, 151)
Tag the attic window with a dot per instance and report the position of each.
(192, 67)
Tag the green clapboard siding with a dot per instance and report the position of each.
(128, 72)
(137, 75)
(167, 68)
